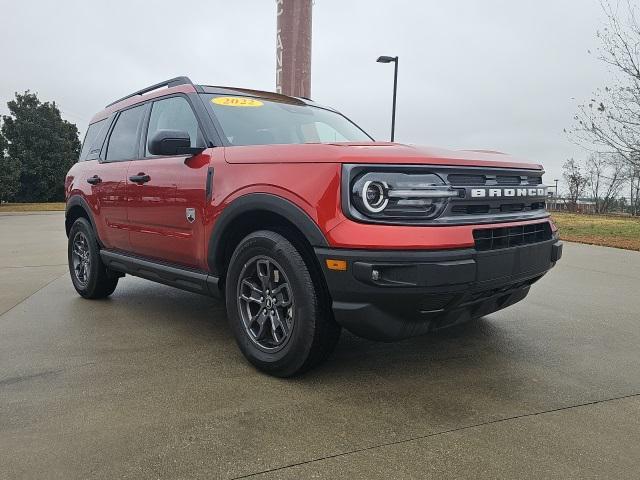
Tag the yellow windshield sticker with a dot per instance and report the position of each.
(237, 102)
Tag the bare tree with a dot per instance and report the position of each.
(606, 176)
(610, 121)
(633, 175)
(576, 182)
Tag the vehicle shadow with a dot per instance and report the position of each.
(479, 344)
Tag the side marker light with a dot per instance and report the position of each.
(339, 265)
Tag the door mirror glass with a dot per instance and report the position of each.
(172, 142)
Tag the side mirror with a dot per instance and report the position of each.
(172, 142)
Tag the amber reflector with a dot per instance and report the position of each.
(340, 265)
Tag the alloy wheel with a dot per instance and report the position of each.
(266, 303)
(81, 258)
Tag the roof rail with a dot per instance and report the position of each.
(172, 82)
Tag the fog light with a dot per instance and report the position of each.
(375, 275)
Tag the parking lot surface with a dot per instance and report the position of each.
(150, 384)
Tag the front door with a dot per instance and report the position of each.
(167, 194)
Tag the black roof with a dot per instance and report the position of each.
(173, 82)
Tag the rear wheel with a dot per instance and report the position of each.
(88, 274)
(279, 313)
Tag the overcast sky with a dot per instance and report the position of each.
(503, 75)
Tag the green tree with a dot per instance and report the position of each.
(41, 147)
(9, 174)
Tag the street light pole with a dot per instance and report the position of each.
(293, 47)
(385, 59)
(556, 180)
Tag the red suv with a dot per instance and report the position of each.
(299, 220)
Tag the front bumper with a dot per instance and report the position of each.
(390, 295)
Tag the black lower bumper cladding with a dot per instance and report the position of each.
(390, 295)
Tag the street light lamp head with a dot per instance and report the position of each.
(394, 60)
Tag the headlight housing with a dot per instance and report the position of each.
(387, 196)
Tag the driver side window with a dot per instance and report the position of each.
(173, 113)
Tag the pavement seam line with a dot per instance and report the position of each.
(435, 434)
(31, 295)
(29, 214)
(34, 266)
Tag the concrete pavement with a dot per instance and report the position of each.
(149, 383)
(29, 257)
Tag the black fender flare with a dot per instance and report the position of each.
(78, 201)
(266, 202)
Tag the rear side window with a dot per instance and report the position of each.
(173, 113)
(90, 139)
(123, 142)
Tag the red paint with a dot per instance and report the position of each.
(108, 199)
(373, 152)
(149, 219)
(395, 237)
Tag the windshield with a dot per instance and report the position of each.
(260, 121)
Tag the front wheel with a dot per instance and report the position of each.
(278, 309)
(89, 275)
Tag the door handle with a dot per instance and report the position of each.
(94, 180)
(140, 178)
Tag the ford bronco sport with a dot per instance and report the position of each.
(299, 220)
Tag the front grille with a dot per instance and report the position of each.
(484, 195)
(484, 209)
(505, 237)
(477, 180)
(470, 209)
(512, 207)
(507, 180)
(466, 179)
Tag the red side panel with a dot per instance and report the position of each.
(107, 199)
(167, 214)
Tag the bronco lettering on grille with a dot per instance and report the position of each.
(508, 192)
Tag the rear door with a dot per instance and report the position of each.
(167, 194)
(108, 177)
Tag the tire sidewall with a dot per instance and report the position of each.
(83, 225)
(293, 355)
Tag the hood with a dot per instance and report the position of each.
(372, 152)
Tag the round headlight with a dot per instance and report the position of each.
(374, 196)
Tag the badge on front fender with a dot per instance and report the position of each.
(191, 214)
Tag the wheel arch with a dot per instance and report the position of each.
(257, 211)
(78, 207)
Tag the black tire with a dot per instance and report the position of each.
(312, 331)
(94, 280)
